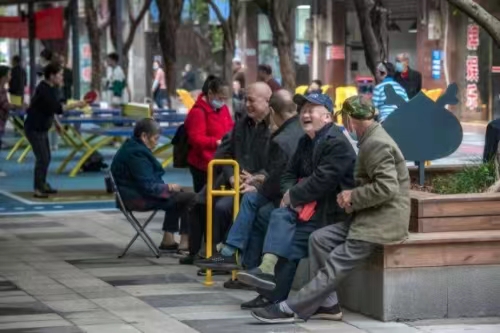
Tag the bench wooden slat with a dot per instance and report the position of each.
(438, 255)
(460, 223)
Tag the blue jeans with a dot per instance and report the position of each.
(286, 237)
(289, 240)
(240, 231)
(253, 252)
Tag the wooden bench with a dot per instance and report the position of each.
(460, 212)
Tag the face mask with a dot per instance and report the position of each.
(353, 135)
(216, 104)
(155, 66)
(399, 67)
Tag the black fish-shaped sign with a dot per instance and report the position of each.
(423, 129)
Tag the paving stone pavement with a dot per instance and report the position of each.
(59, 273)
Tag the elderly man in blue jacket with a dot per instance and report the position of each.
(138, 175)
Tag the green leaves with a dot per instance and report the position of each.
(472, 179)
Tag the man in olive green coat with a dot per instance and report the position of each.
(380, 204)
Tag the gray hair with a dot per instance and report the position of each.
(148, 126)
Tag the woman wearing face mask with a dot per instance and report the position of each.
(159, 89)
(385, 76)
(206, 123)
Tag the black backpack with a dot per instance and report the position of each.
(181, 147)
(94, 163)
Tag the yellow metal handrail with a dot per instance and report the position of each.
(235, 193)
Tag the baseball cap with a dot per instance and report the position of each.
(358, 107)
(314, 98)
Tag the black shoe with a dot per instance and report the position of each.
(330, 313)
(219, 262)
(49, 189)
(258, 302)
(236, 284)
(272, 314)
(40, 195)
(203, 272)
(169, 248)
(189, 259)
(255, 277)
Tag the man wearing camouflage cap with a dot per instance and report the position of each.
(380, 205)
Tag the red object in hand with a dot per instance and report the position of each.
(307, 211)
(90, 97)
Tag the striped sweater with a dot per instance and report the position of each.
(379, 97)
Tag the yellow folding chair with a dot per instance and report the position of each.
(186, 98)
(341, 94)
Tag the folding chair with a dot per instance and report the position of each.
(139, 228)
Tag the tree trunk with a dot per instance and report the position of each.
(482, 17)
(368, 36)
(94, 33)
(279, 14)
(134, 24)
(170, 17)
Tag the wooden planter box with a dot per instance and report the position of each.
(458, 212)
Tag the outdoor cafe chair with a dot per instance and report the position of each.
(139, 227)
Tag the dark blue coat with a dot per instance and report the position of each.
(138, 175)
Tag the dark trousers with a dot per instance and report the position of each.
(199, 178)
(221, 222)
(179, 206)
(287, 238)
(39, 142)
(161, 96)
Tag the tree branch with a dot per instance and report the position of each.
(482, 17)
(220, 17)
(134, 24)
(130, 11)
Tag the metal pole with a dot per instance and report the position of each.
(75, 50)
(20, 41)
(31, 32)
(119, 31)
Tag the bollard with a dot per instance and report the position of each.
(220, 193)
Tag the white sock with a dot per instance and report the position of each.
(285, 308)
(330, 301)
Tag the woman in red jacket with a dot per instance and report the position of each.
(206, 123)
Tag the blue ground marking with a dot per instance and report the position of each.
(10, 205)
(20, 179)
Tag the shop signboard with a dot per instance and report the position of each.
(472, 69)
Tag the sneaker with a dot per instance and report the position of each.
(330, 313)
(236, 284)
(2, 174)
(272, 314)
(255, 277)
(258, 302)
(220, 262)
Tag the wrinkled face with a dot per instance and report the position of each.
(257, 105)
(151, 141)
(313, 117)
